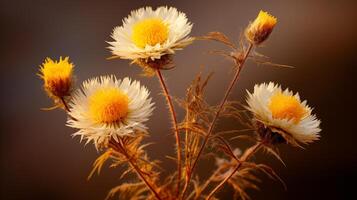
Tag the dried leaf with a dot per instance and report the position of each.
(99, 162)
(219, 37)
(130, 191)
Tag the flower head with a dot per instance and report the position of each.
(283, 114)
(57, 77)
(150, 34)
(107, 108)
(259, 30)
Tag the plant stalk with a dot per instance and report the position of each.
(138, 171)
(220, 108)
(186, 156)
(174, 121)
(65, 104)
(247, 154)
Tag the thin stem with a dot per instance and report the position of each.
(228, 91)
(65, 104)
(247, 154)
(144, 179)
(203, 187)
(138, 171)
(174, 120)
(187, 179)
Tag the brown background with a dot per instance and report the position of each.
(40, 160)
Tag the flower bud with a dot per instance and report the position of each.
(259, 30)
(57, 77)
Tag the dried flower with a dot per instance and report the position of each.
(57, 77)
(112, 113)
(108, 108)
(150, 34)
(280, 113)
(259, 30)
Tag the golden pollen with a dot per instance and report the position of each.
(108, 105)
(149, 32)
(286, 107)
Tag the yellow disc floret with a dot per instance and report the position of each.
(108, 105)
(149, 32)
(286, 107)
(57, 76)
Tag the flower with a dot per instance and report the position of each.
(57, 77)
(259, 30)
(283, 113)
(107, 108)
(150, 34)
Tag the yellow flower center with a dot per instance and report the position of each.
(149, 32)
(108, 105)
(286, 107)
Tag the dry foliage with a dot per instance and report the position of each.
(129, 153)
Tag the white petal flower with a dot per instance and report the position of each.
(108, 108)
(284, 112)
(148, 33)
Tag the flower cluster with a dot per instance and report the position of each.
(112, 113)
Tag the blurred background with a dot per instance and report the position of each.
(39, 158)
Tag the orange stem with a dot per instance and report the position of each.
(137, 170)
(247, 154)
(174, 120)
(224, 100)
